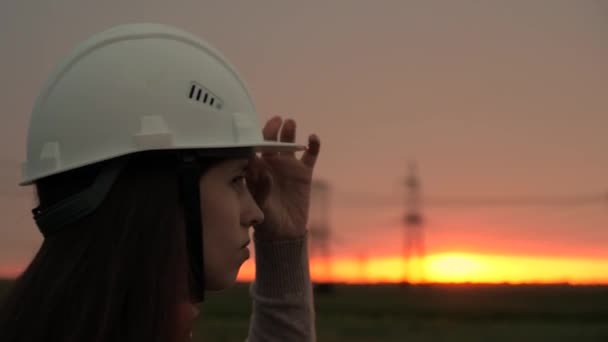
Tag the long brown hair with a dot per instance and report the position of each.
(117, 274)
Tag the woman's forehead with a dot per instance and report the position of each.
(235, 164)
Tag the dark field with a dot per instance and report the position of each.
(430, 313)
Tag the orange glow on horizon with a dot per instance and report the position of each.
(448, 267)
(457, 267)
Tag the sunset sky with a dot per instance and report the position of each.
(497, 99)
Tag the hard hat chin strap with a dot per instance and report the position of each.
(75, 207)
(52, 219)
(189, 175)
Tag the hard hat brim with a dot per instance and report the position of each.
(258, 147)
(275, 146)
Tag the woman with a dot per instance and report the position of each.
(143, 150)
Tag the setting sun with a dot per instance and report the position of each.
(456, 267)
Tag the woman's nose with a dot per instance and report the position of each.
(253, 215)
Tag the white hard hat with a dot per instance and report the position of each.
(139, 87)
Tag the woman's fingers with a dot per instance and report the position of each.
(309, 158)
(275, 129)
(271, 129)
(288, 135)
(270, 132)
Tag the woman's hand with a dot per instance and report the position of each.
(281, 183)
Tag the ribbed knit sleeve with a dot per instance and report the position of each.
(283, 308)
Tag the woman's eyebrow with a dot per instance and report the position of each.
(243, 167)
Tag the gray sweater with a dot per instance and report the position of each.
(283, 308)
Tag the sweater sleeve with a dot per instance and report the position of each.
(283, 308)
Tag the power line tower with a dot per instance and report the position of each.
(318, 226)
(414, 227)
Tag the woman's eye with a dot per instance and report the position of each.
(240, 180)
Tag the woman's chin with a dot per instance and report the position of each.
(220, 283)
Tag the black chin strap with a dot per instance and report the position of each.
(75, 207)
(189, 175)
(54, 218)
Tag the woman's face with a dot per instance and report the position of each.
(228, 210)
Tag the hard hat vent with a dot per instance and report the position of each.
(200, 94)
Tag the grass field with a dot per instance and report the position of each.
(492, 313)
